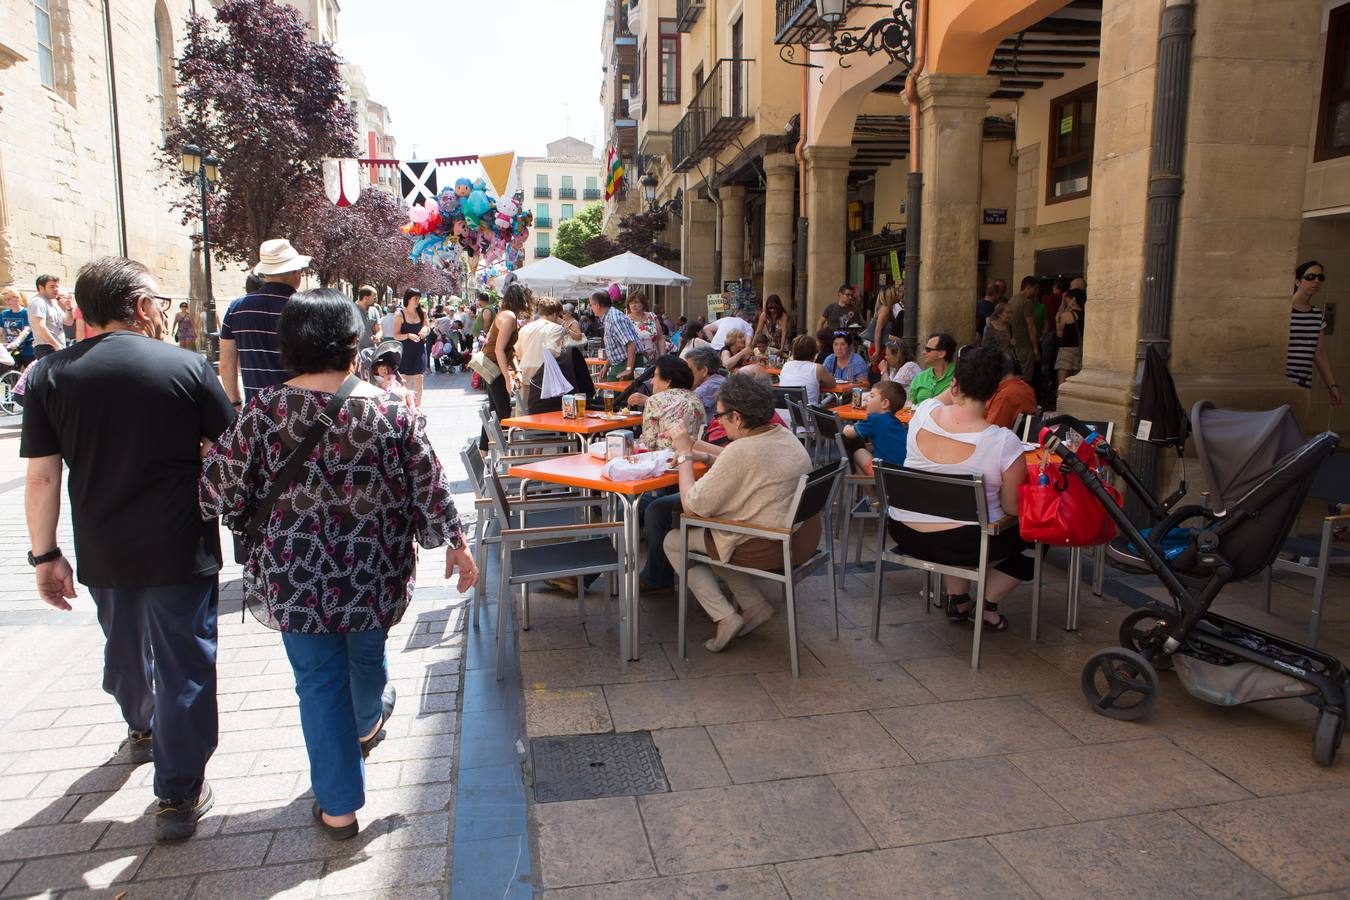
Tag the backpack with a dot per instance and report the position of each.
(1159, 417)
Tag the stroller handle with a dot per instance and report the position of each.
(1085, 431)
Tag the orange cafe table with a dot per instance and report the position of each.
(593, 423)
(585, 471)
(617, 387)
(850, 413)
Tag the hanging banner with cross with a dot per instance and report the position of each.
(417, 181)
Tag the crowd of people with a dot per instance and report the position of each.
(310, 447)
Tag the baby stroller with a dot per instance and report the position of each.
(1260, 470)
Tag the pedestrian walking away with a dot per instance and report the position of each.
(130, 421)
(248, 333)
(330, 538)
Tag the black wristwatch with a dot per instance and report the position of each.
(47, 557)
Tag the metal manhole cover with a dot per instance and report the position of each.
(589, 766)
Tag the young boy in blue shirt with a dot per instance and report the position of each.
(887, 433)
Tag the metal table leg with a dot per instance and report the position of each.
(1037, 554)
(1075, 587)
(631, 535)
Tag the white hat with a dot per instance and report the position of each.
(277, 256)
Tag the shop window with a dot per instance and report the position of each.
(1333, 119)
(669, 69)
(1070, 156)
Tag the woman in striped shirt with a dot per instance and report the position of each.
(1305, 332)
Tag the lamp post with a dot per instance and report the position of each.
(205, 169)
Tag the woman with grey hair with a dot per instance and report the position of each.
(752, 480)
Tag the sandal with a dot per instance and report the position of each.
(1001, 624)
(334, 832)
(389, 697)
(958, 615)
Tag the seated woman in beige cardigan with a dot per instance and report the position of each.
(753, 480)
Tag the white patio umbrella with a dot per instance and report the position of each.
(629, 268)
(548, 274)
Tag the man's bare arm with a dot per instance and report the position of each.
(229, 371)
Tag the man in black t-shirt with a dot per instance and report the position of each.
(843, 313)
(131, 420)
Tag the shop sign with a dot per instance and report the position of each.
(995, 217)
(875, 242)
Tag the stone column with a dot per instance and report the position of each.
(952, 109)
(780, 218)
(1237, 235)
(698, 232)
(733, 231)
(827, 228)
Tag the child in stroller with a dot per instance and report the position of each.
(1260, 470)
(382, 371)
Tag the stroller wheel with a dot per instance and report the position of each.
(1146, 628)
(1119, 683)
(1327, 736)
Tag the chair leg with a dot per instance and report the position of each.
(834, 585)
(981, 576)
(1075, 587)
(1036, 568)
(503, 612)
(684, 586)
(1098, 569)
(876, 592)
(581, 599)
(847, 516)
(477, 601)
(525, 607)
(789, 593)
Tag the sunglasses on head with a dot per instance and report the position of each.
(1315, 276)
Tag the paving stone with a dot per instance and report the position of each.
(14, 787)
(570, 832)
(416, 747)
(855, 646)
(580, 710)
(95, 869)
(967, 868)
(90, 715)
(377, 835)
(753, 824)
(66, 758)
(1103, 780)
(37, 719)
(420, 771)
(1292, 840)
(759, 883)
(944, 801)
(37, 840)
(210, 855)
(846, 689)
(689, 758)
(810, 745)
(372, 875)
(1275, 759)
(544, 669)
(158, 889)
(765, 650)
(241, 818)
(693, 701)
(107, 777)
(1000, 674)
(968, 728)
(12, 741)
(1139, 856)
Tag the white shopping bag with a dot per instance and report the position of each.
(644, 465)
(554, 384)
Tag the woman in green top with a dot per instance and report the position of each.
(938, 352)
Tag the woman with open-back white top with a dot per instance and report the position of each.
(954, 439)
(803, 370)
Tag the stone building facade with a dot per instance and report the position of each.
(557, 186)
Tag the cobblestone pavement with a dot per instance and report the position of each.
(73, 811)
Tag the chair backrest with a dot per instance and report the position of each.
(1333, 479)
(493, 426)
(827, 428)
(784, 397)
(500, 504)
(474, 465)
(957, 497)
(816, 491)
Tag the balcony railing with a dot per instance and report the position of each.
(719, 112)
(686, 14)
(543, 193)
(567, 193)
(540, 252)
(796, 23)
(591, 194)
(543, 222)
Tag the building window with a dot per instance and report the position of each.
(541, 181)
(566, 212)
(1070, 157)
(668, 74)
(543, 242)
(567, 182)
(541, 216)
(1333, 118)
(42, 13)
(592, 182)
(168, 101)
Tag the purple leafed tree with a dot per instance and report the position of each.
(270, 103)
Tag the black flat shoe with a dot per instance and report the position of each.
(954, 613)
(1001, 624)
(389, 698)
(335, 832)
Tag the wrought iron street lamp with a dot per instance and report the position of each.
(205, 170)
(892, 35)
(648, 183)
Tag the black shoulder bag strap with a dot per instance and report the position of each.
(297, 458)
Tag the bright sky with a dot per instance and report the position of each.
(479, 76)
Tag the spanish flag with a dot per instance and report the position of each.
(614, 180)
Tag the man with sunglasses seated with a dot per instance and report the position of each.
(939, 353)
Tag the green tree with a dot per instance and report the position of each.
(572, 235)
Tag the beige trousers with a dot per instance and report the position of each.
(703, 582)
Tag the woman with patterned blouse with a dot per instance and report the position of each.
(651, 337)
(332, 568)
(672, 404)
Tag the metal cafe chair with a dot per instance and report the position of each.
(529, 555)
(853, 503)
(547, 509)
(793, 399)
(815, 495)
(959, 497)
(502, 442)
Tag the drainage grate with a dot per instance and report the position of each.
(588, 766)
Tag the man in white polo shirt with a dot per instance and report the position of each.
(48, 317)
(718, 332)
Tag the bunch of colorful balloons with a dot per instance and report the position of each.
(465, 217)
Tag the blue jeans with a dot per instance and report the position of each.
(339, 679)
(657, 519)
(159, 662)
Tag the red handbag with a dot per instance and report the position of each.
(1055, 507)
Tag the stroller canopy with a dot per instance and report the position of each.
(1238, 449)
